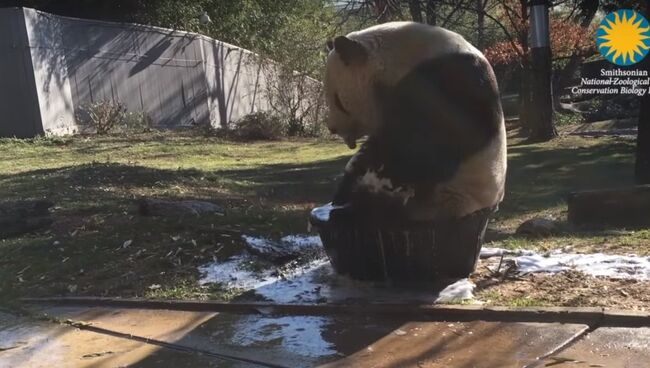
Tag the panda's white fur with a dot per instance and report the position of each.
(394, 49)
(373, 182)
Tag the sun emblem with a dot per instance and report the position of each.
(623, 37)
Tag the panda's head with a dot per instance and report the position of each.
(363, 62)
(348, 79)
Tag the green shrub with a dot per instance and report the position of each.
(568, 118)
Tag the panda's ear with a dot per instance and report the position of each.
(350, 51)
(330, 45)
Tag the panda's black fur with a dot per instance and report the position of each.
(442, 112)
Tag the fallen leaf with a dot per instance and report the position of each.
(624, 293)
(96, 355)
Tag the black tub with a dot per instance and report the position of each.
(401, 252)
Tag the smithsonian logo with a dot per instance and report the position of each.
(623, 39)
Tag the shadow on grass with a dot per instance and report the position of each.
(280, 182)
(540, 178)
(95, 215)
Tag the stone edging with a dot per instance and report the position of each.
(602, 317)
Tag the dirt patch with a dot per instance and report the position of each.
(568, 289)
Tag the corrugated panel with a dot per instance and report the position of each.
(160, 73)
(176, 78)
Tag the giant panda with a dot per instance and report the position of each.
(429, 104)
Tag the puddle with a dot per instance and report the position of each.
(292, 341)
(300, 335)
(17, 337)
(28, 343)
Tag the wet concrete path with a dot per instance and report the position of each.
(118, 337)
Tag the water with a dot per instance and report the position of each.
(316, 281)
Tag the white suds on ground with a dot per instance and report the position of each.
(302, 241)
(230, 273)
(236, 273)
(288, 244)
(487, 252)
(316, 281)
(596, 264)
(458, 291)
(233, 273)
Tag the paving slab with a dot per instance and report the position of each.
(475, 344)
(285, 341)
(35, 344)
(163, 325)
(611, 347)
(337, 341)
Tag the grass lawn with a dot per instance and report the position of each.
(267, 189)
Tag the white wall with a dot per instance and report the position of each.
(45, 43)
(176, 78)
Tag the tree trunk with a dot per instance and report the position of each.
(480, 24)
(541, 113)
(431, 12)
(542, 127)
(382, 10)
(415, 8)
(642, 162)
(524, 84)
(566, 75)
(524, 99)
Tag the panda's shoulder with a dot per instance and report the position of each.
(462, 69)
(452, 81)
(450, 100)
